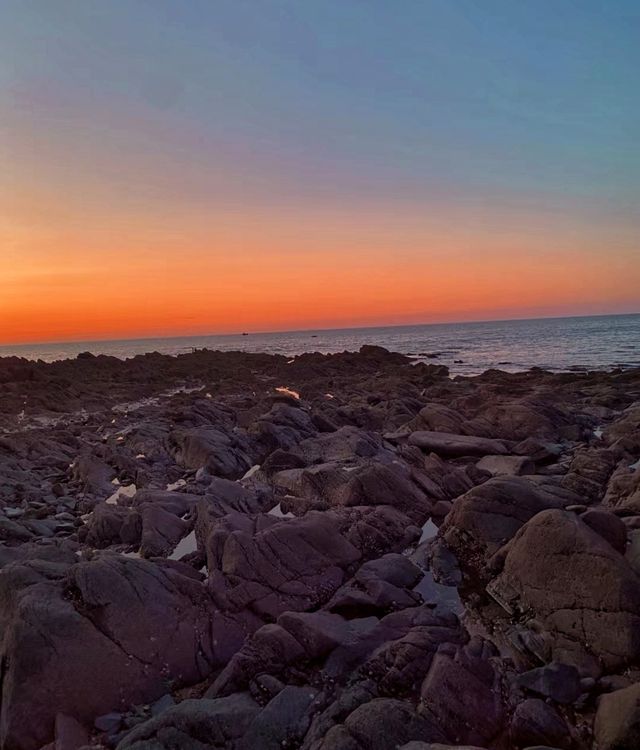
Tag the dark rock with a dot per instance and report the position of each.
(560, 682)
(534, 722)
(611, 683)
(108, 722)
(269, 651)
(223, 454)
(380, 724)
(294, 564)
(321, 632)
(197, 724)
(91, 624)
(609, 526)
(162, 704)
(488, 516)
(378, 585)
(589, 473)
(461, 695)
(451, 445)
(281, 460)
(283, 722)
(506, 465)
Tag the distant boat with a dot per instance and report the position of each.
(245, 334)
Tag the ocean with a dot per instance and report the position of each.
(558, 344)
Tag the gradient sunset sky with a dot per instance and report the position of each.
(172, 167)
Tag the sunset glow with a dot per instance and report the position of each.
(169, 171)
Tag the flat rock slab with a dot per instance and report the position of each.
(506, 465)
(450, 445)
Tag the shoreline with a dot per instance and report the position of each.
(102, 379)
(555, 344)
(316, 549)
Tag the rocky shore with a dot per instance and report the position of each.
(333, 552)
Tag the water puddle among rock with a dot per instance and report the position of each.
(446, 598)
(277, 511)
(429, 531)
(185, 547)
(128, 491)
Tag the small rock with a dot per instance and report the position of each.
(560, 682)
(587, 684)
(108, 722)
(265, 685)
(13, 512)
(162, 704)
(613, 682)
(536, 721)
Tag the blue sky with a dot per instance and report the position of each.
(495, 113)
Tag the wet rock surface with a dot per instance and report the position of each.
(334, 552)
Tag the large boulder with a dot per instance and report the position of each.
(609, 526)
(531, 416)
(345, 444)
(573, 581)
(223, 453)
(461, 694)
(380, 724)
(617, 723)
(535, 722)
(489, 515)
(378, 586)
(278, 565)
(589, 473)
(499, 466)
(283, 721)
(195, 724)
(100, 636)
(623, 489)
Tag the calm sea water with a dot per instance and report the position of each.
(599, 342)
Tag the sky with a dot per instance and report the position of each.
(215, 166)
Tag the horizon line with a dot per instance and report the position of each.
(308, 330)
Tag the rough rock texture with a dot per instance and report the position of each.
(488, 516)
(328, 552)
(583, 591)
(617, 724)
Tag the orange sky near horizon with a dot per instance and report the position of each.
(198, 273)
